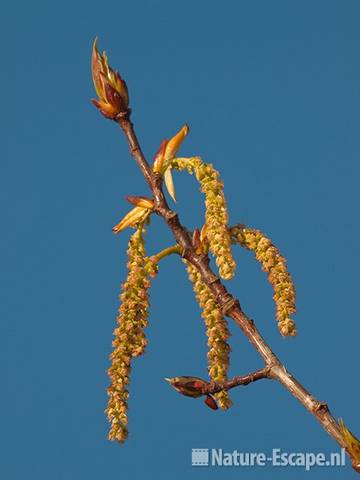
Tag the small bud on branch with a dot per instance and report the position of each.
(110, 87)
(188, 386)
(162, 160)
(136, 216)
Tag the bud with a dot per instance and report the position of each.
(159, 157)
(203, 233)
(188, 386)
(164, 156)
(210, 402)
(136, 216)
(196, 241)
(110, 87)
(175, 142)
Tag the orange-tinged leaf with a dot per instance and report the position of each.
(144, 202)
(96, 67)
(159, 157)
(169, 182)
(175, 142)
(203, 233)
(121, 87)
(131, 219)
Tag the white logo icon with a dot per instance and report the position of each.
(200, 457)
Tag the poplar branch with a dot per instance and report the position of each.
(229, 305)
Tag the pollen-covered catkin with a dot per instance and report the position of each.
(274, 264)
(216, 216)
(217, 333)
(130, 340)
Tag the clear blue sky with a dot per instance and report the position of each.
(271, 93)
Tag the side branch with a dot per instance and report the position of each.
(237, 381)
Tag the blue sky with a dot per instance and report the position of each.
(271, 93)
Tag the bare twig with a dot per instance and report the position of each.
(214, 387)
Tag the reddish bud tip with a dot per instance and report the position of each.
(143, 202)
(210, 402)
(188, 386)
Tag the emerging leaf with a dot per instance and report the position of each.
(169, 183)
(110, 87)
(136, 216)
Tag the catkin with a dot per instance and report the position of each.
(216, 216)
(130, 340)
(274, 264)
(217, 333)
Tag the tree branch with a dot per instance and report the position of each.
(229, 305)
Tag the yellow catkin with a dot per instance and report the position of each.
(129, 335)
(216, 215)
(217, 333)
(275, 266)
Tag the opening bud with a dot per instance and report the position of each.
(189, 386)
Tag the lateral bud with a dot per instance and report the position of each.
(196, 241)
(189, 386)
(210, 402)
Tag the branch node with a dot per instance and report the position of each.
(320, 407)
(185, 252)
(121, 116)
(229, 303)
(212, 279)
(170, 214)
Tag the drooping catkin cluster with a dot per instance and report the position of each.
(130, 340)
(216, 215)
(274, 264)
(217, 333)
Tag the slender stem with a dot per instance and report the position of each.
(228, 304)
(134, 147)
(166, 252)
(319, 409)
(214, 387)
